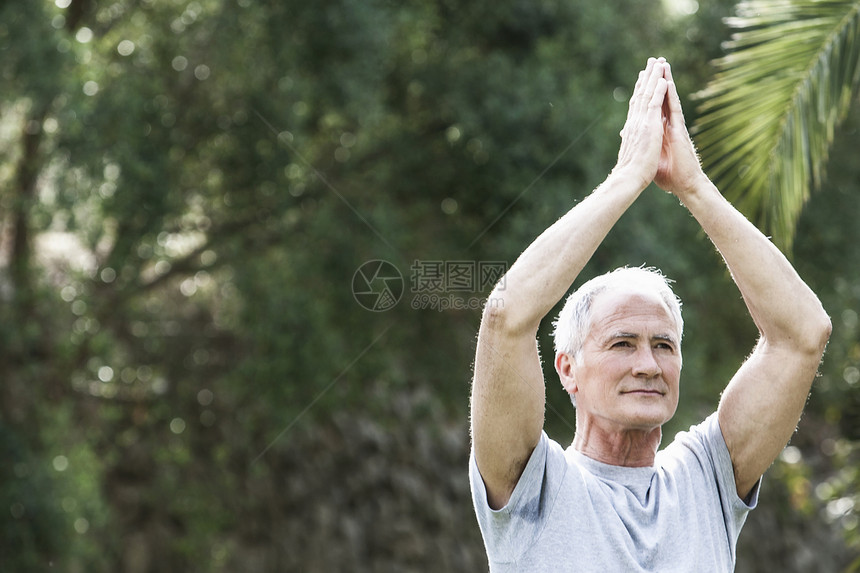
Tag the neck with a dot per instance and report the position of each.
(617, 447)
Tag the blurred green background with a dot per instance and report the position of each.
(187, 190)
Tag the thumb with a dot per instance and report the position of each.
(675, 113)
(659, 95)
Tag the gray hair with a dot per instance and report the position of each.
(574, 321)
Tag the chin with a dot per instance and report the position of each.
(648, 420)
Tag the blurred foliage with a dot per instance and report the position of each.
(769, 115)
(186, 192)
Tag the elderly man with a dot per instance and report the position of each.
(611, 502)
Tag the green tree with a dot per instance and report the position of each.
(769, 115)
(778, 113)
(186, 191)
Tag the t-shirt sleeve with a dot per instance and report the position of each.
(735, 509)
(725, 461)
(508, 532)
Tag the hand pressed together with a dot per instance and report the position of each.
(655, 143)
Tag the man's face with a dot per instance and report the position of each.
(627, 377)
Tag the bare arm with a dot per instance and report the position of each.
(508, 393)
(762, 404)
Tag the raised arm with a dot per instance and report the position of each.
(762, 404)
(508, 393)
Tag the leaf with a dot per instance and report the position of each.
(767, 118)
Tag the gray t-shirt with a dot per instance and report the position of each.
(571, 513)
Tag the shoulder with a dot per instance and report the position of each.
(702, 443)
(546, 462)
(511, 530)
(704, 435)
(702, 455)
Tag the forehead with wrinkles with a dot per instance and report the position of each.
(631, 311)
(575, 318)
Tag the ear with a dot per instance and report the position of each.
(564, 365)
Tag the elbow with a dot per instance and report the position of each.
(825, 330)
(497, 315)
(805, 335)
(500, 317)
(817, 334)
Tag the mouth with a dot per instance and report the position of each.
(644, 392)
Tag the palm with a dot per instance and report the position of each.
(665, 168)
(678, 167)
(768, 117)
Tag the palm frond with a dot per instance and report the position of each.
(768, 116)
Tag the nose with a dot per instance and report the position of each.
(646, 365)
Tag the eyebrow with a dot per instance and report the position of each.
(633, 336)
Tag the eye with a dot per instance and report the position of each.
(621, 344)
(665, 346)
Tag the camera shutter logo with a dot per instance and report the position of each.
(377, 285)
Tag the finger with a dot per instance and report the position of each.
(638, 92)
(676, 113)
(640, 80)
(658, 97)
(674, 98)
(642, 98)
(667, 71)
(639, 88)
(655, 75)
(644, 93)
(644, 77)
(651, 72)
(666, 111)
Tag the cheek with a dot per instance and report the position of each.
(673, 375)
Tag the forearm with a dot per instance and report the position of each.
(784, 308)
(759, 409)
(508, 394)
(545, 270)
